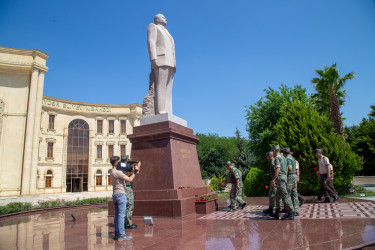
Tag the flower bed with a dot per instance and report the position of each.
(205, 204)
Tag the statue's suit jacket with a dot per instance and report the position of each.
(161, 45)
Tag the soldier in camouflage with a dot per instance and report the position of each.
(280, 181)
(292, 179)
(129, 206)
(235, 178)
(272, 190)
(130, 199)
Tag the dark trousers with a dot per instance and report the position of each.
(326, 187)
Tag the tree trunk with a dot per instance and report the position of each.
(334, 113)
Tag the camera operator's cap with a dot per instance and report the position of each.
(126, 157)
(228, 163)
(318, 150)
(275, 147)
(269, 153)
(286, 150)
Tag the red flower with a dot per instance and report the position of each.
(266, 187)
(196, 200)
(188, 187)
(196, 195)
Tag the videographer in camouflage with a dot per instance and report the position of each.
(280, 181)
(272, 190)
(292, 179)
(235, 178)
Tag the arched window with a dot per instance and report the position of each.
(49, 178)
(98, 177)
(109, 181)
(77, 171)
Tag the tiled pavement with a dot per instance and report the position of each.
(308, 211)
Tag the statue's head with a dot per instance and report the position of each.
(160, 19)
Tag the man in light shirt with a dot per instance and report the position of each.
(325, 178)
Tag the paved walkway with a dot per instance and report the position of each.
(93, 229)
(347, 210)
(34, 199)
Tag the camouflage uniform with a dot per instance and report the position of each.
(272, 191)
(129, 203)
(282, 192)
(292, 182)
(235, 194)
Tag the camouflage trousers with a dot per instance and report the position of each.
(282, 194)
(235, 196)
(272, 195)
(129, 206)
(292, 190)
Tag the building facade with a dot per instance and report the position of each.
(50, 145)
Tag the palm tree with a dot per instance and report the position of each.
(372, 112)
(330, 96)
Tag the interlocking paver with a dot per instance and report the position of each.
(308, 211)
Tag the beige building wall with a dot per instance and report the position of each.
(21, 76)
(25, 131)
(65, 112)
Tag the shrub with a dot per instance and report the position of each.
(15, 207)
(255, 183)
(216, 183)
(303, 129)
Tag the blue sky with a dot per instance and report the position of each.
(227, 52)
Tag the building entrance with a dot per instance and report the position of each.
(78, 156)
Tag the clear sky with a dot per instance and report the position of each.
(227, 52)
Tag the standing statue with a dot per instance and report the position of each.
(163, 67)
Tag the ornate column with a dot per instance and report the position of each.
(35, 147)
(26, 169)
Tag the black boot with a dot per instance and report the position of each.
(276, 215)
(268, 211)
(327, 200)
(302, 202)
(283, 211)
(289, 216)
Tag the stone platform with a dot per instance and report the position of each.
(170, 175)
(93, 229)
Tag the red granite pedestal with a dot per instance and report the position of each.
(169, 161)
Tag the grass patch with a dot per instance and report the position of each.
(358, 193)
(223, 195)
(16, 207)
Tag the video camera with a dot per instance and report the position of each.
(125, 165)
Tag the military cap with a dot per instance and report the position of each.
(269, 153)
(318, 150)
(228, 163)
(275, 147)
(286, 150)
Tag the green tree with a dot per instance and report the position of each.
(244, 159)
(363, 144)
(263, 116)
(330, 96)
(303, 129)
(372, 112)
(213, 152)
